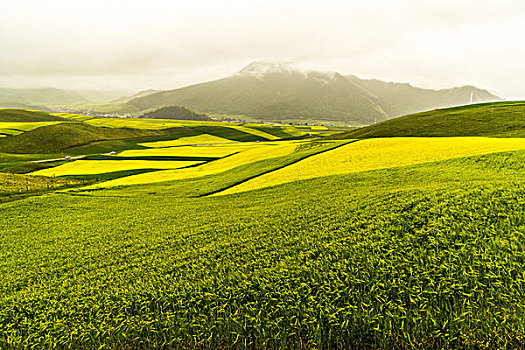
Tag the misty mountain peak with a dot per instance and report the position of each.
(261, 68)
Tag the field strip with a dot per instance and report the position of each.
(380, 153)
(157, 124)
(16, 128)
(219, 151)
(278, 168)
(255, 132)
(190, 140)
(135, 123)
(89, 167)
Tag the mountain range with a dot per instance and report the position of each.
(267, 91)
(277, 91)
(48, 99)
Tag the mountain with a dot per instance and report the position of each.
(499, 119)
(100, 96)
(43, 97)
(143, 93)
(398, 99)
(278, 91)
(273, 92)
(18, 105)
(175, 112)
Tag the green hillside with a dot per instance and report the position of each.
(21, 115)
(60, 137)
(499, 119)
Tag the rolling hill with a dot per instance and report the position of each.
(280, 92)
(500, 119)
(60, 137)
(20, 115)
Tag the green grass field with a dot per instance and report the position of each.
(262, 242)
(407, 257)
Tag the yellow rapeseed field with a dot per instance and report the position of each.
(380, 153)
(251, 154)
(255, 132)
(77, 117)
(218, 150)
(153, 124)
(318, 127)
(88, 167)
(191, 140)
(15, 128)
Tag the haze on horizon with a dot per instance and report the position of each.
(135, 45)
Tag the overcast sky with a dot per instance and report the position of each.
(168, 44)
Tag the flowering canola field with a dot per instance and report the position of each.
(217, 150)
(191, 140)
(380, 153)
(247, 153)
(89, 167)
(15, 128)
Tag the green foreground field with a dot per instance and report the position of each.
(420, 256)
(392, 243)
